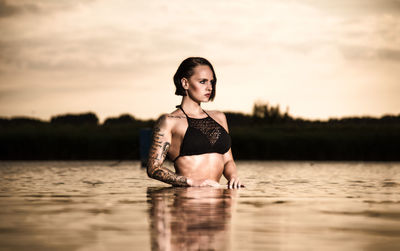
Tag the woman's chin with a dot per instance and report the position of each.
(204, 100)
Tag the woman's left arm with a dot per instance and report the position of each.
(230, 171)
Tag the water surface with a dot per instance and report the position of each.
(285, 206)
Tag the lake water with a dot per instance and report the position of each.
(285, 206)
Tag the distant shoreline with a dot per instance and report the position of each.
(266, 135)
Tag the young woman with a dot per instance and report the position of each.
(196, 141)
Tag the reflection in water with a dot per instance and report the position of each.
(346, 206)
(190, 218)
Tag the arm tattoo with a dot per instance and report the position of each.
(157, 155)
(176, 117)
(167, 176)
(157, 144)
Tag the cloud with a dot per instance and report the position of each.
(7, 10)
(11, 9)
(368, 53)
(88, 39)
(67, 46)
(20, 7)
(103, 37)
(112, 52)
(356, 6)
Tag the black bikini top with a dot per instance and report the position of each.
(204, 136)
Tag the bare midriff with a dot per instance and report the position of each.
(198, 167)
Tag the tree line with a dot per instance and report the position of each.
(266, 134)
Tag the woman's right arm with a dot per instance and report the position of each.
(158, 152)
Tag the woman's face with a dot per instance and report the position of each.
(199, 85)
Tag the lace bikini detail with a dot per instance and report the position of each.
(208, 127)
(204, 136)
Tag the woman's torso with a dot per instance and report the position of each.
(208, 165)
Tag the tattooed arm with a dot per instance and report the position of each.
(158, 151)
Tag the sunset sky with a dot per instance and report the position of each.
(320, 58)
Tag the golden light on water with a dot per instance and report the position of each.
(320, 58)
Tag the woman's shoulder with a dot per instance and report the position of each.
(217, 114)
(219, 117)
(170, 119)
(177, 114)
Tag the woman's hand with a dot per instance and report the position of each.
(202, 183)
(234, 183)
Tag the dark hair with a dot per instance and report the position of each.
(185, 70)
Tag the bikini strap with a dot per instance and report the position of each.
(176, 158)
(187, 117)
(180, 107)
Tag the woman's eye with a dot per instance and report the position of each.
(202, 81)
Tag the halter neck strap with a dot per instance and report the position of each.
(205, 113)
(180, 107)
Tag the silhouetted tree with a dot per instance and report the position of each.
(123, 119)
(75, 119)
(264, 113)
(17, 121)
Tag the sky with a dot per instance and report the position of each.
(318, 58)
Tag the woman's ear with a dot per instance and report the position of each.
(185, 83)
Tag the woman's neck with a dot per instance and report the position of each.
(191, 106)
